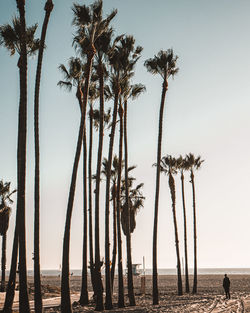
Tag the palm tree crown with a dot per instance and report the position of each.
(193, 162)
(164, 64)
(10, 37)
(90, 25)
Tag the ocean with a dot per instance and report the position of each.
(161, 271)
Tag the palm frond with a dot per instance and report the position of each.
(64, 84)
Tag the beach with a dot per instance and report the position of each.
(210, 297)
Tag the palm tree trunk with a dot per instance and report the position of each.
(172, 190)
(99, 288)
(91, 257)
(21, 163)
(185, 234)
(128, 235)
(195, 235)
(10, 292)
(118, 207)
(37, 281)
(157, 191)
(84, 299)
(65, 291)
(107, 194)
(3, 261)
(114, 252)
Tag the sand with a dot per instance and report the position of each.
(210, 297)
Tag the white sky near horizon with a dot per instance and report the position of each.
(207, 113)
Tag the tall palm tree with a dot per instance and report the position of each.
(129, 56)
(91, 26)
(182, 166)
(132, 91)
(103, 46)
(164, 64)
(73, 77)
(37, 280)
(194, 164)
(19, 38)
(116, 79)
(169, 167)
(5, 210)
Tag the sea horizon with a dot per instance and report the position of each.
(161, 271)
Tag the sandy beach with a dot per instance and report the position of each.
(210, 297)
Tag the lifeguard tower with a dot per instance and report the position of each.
(135, 269)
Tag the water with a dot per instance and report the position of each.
(161, 271)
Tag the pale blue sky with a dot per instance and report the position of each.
(207, 113)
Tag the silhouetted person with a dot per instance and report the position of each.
(226, 286)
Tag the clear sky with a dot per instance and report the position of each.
(207, 113)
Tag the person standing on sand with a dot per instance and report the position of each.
(226, 286)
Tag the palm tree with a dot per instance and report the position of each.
(129, 56)
(182, 166)
(5, 210)
(19, 38)
(103, 46)
(194, 164)
(73, 77)
(136, 202)
(164, 64)
(115, 90)
(37, 281)
(169, 166)
(91, 26)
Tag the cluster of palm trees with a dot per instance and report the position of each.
(100, 72)
(171, 166)
(164, 64)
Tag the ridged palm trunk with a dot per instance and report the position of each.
(118, 207)
(99, 288)
(91, 256)
(21, 164)
(185, 234)
(114, 252)
(195, 235)
(37, 281)
(65, 290)
(3, 261)
(10, 292)
(84, 299)
(157, 191)
(172, 190)
(131, 294)
(109, 282)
